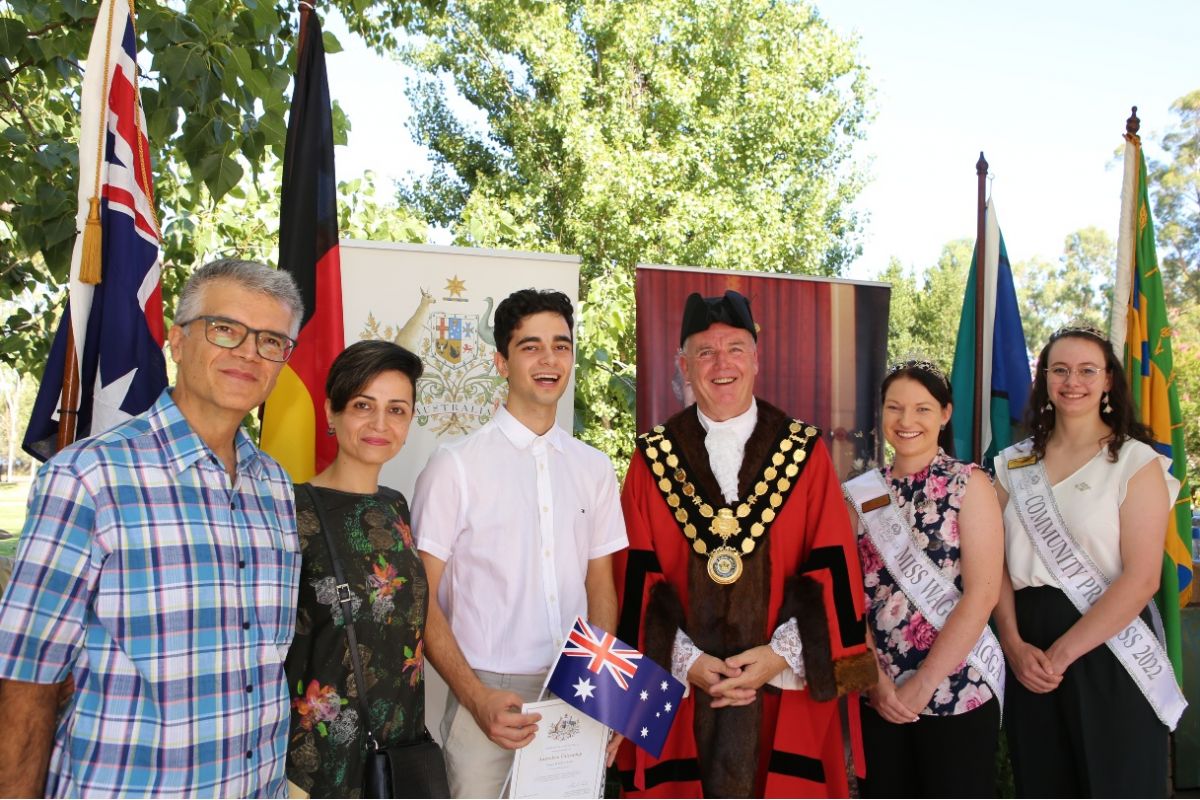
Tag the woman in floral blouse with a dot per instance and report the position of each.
(370, 394)
(930, 726)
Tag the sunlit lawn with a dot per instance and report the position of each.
(12, 512)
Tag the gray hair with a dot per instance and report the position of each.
(251, 275)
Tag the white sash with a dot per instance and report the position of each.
(934, 595)
(1136, 647)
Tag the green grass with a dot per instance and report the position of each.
(12, 506)
(12, 518)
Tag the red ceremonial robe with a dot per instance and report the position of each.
(787, 743)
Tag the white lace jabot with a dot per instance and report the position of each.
(726, 445)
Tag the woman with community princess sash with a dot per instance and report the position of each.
(1085, 515)
(931, 544)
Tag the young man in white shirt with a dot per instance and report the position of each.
(516, 525)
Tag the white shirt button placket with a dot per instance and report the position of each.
(546, 534)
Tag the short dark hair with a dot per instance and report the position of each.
(935, 383)
(358, 364)
(1121, 419)
(527, 302)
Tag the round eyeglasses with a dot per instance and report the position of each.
(1087, 374)
(229, 333)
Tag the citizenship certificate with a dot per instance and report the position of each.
(566, 756)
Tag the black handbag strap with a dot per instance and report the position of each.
(343, 596)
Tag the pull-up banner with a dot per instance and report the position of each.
(822, 350)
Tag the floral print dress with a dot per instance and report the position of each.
(929, 501)
(388, 591)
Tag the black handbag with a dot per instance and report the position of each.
(409, 770)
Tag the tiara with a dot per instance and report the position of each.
(922, 364)
(1084, 328)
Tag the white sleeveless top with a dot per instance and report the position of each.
(1090, 502)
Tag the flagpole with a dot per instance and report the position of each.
(1132, 126)
(68, 412)
(306, 8)
(89, 266)
(1118, 313)
(981, 170)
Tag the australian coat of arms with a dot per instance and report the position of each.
(566, 728)
(460, 389)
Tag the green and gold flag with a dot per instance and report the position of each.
(1141, 333)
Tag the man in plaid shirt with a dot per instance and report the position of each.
(158, 569)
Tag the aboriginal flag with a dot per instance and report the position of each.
(294, 424)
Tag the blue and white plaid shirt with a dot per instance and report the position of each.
(169, 592)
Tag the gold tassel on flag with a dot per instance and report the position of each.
(89, 262)
(92, 257)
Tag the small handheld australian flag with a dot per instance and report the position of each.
(615, 684)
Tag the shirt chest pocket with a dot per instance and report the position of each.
(274, 584)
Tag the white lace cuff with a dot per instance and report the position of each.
(684, 654)
(786, 644)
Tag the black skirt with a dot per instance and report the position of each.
(1093, 736)
(936, 756)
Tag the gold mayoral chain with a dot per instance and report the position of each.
(720, 533)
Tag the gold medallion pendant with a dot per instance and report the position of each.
(725, 565)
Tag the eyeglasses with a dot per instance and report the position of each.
(229, 333)
(1085, 374)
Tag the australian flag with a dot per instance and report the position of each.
(116, 326)
(612, 682)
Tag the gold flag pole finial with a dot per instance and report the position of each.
(1133, 124)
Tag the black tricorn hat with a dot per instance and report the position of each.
(699, 313)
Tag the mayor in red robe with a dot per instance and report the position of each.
(728, 574)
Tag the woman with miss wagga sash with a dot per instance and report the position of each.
(1085, 516)
(931, 544)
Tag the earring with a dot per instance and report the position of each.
(330, 431)
(943, 426)
(1048, 407)
(1108, 409)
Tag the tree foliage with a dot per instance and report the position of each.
(1076, 289)
(692, 132)
(925, 309)
(1185, 344)
(1175, 193)
(1175, 189)
(246, 221)
(926, 306)
(215, 76)
(16, 403)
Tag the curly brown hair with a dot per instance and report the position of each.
(1040, 418)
